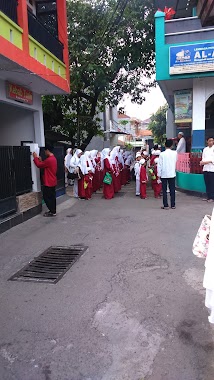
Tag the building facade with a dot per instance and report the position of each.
(185, 74)
(34, 61)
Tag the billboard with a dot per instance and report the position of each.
(183, 106)
(191, 58)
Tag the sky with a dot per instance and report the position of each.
(153, 101)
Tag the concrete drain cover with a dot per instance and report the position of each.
(51, 265)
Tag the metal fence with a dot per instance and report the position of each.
(22, 168)
(9, 8)
(7, 182)
(44, 37)
(15, 176)
(189, 163)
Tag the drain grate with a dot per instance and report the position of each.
(51, 265)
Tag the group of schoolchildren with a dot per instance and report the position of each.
(109, 170)
(93, 170)
(147, 164)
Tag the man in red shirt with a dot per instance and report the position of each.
(49, 179)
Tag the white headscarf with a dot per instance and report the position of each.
(145, 153)
(142, 161)
(75, 159)
(68, 158)
(78, 151)
(105, 154)
(138, 154)
(87, 154)
(83, 164)
(113, 158)
(156, 152)
(120, 157)
(114, 154)
(93, 156)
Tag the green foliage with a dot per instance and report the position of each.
(123, 122)
(111, 45)
(158, 125)
(128, 146)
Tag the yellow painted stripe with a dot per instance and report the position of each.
(10, 31)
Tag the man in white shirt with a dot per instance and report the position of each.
(208, 168)
(181, 147)
(137, 173)
(167, 173)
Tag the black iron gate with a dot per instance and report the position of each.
(60, 155)
(15, 176)
(22, 168)
(7, 181)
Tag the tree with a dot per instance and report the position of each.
(158, 124)
(111, 45)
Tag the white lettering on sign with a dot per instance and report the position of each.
(197, 55)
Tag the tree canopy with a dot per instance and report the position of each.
(158, 124)
(111, 50)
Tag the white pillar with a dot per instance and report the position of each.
(199, 104)
(35, 172)
(170, 125)
(198, 113)
(39, 127)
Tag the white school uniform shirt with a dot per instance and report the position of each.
(181, 147)
(167, 164)
(137, 170)
(68, 158)
(208, 155)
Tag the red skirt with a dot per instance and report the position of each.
(81, 190)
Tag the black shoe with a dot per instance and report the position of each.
(49, 214)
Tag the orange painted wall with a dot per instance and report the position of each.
(23, 58)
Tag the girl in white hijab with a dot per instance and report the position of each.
(108, 189)
(96, 177)
(105, 154)
(120, 158)
(67, 165)
(93, 157)
(74, 162)
(87, 154)
(116, 169)
(84, 171)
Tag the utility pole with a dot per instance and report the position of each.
(78, 121)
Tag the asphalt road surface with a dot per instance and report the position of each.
(131, 308)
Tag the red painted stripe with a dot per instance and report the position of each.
(62, 31)
(23, 23)
(23, 59)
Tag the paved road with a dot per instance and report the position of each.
(131, 308)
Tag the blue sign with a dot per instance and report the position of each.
(192, 58)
